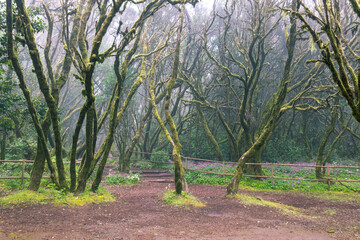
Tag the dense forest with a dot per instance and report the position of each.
(235, 81)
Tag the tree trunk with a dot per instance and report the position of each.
(116, 116)
(25, 90)
(320, 154)
(256, 149)
(180, 182)
(3, 146)
(255, 169)
(83, 175)
(208, 133)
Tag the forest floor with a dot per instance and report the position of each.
(139, 213)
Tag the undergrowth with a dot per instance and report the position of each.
(302, 174)
(118, 179)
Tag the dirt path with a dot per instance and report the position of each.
(139, 213)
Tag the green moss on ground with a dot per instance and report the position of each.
(251, 200)
(335, 196)
(55, 197)
(185, 199)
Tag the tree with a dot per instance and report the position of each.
(273, 116)
(84, 57)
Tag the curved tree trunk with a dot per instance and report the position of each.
(208, 133)
(320, 154)
(26, 92)
(256, 149)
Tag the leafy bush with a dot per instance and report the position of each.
(119, 179)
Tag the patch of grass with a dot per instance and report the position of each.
(185, 199)
(88, 197)
(335, 196)
(330, 211)
(203, 178)
(24, 197)
(56, 197)
(327, 195)
(12, 184)
(251, 200)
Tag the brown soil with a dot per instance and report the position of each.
(139, 213)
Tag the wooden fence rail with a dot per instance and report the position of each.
(327, 179)
(23, 161)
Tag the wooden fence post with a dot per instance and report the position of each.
(272, 174)
(328, 176)
(23, 172)
(223, 166)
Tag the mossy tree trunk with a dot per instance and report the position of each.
(209, 135)
(179, 176)
(256, 149)
(178, 167)
(321, 156)
(124, 161)
(44, 87)
(26, 92)
(56, 85)
(88, 67)
(39, 162)
(3, 145)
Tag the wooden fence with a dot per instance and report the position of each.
(24, 162)
(186, 161)
(272, 166)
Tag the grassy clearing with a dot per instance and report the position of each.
(335, 196)
(185, 199)
(55, 197)
(251, 200)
